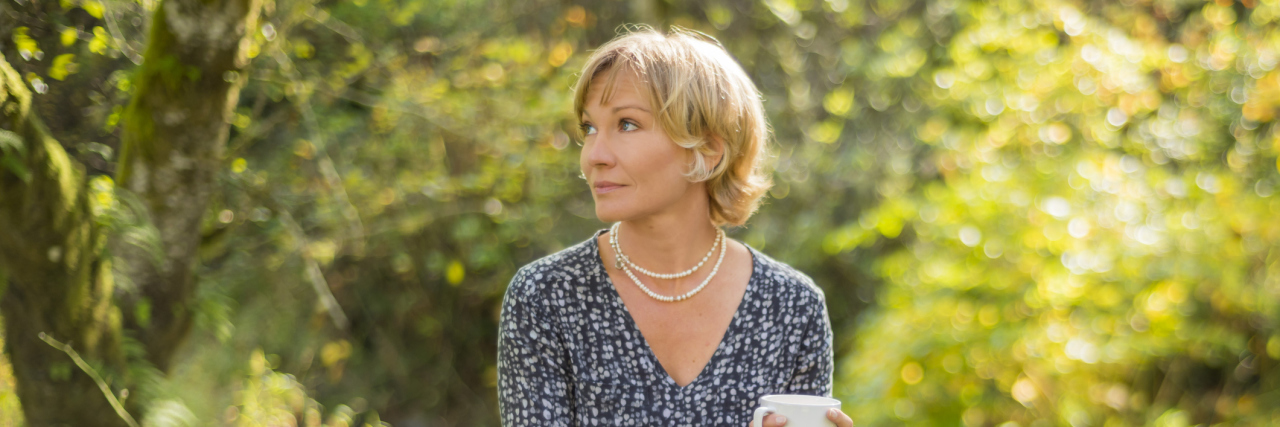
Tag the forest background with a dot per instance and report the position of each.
(1023, 213)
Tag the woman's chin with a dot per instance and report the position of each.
(605, 217)
(608, 214)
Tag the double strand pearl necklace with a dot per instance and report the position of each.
(622, 258)
(622, 262)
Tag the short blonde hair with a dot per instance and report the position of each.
(700, 93)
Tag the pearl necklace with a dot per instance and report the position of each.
(622, 258)
(626, 263)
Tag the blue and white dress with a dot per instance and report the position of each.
(569, 353)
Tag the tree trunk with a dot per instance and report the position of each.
(50, 249)
(174, 133)
(60, 283)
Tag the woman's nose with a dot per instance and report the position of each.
(599, 151)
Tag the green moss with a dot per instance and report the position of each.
(4, 281)
(142, 312)
(138, 132)
(160, 70)
(11, 86)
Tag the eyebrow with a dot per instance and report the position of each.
(623, 107)
(620, 108)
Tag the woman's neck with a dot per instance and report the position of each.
(669, 242)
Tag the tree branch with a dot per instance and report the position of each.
(102, 385)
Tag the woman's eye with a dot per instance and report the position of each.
(628, 126)
(587, 129)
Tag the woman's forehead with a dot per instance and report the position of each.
(614, 87)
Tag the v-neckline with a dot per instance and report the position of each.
(747, 294)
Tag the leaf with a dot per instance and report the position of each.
(69, 36)
(302, 48)
(142, 312)
(27, 46)
(100, 41)
(13, 164)
(63, 65)
(12, 153)
(94, 7)
(838, 102)
(455, 273)
(827, 131)
(11, 142)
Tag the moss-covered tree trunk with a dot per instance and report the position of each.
(59, 282)
(49, 247)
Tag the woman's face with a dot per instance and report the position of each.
(633, 168)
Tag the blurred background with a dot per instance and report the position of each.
(1024, 213)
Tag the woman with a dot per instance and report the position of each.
(643, 325)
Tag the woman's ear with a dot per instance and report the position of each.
(717, 147)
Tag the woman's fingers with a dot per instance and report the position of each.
(841, 420)
(774, 420)
(833, 414)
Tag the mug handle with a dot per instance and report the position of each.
(757, 419)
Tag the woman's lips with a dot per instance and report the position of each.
(606, 187)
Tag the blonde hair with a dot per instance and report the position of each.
(700, 93)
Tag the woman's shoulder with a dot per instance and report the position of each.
(560, 271)
(784, 280)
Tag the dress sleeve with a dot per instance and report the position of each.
(533, 376)
(812, 375)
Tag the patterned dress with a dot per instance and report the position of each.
(570, 354)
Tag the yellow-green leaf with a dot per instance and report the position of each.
(94, 8)
(102, 197)
(839, 101)
(241, 121)
(69, 36)
(334, 352)
(27, 46)
(100, 39)
(455, 273)
(827, 131)
(63, 66)
(302, 48)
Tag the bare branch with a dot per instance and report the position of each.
(314, 275)
(102, 385)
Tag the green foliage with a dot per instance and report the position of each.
(10, 408)
(12, 154)
(1023, 212)
(27, 47)
(63, 65)
(271, 398)
(121, 213)
(1096, 249)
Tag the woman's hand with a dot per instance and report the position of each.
(833, 414)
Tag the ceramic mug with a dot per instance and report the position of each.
(800, 410)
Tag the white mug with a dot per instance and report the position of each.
(800, 410)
